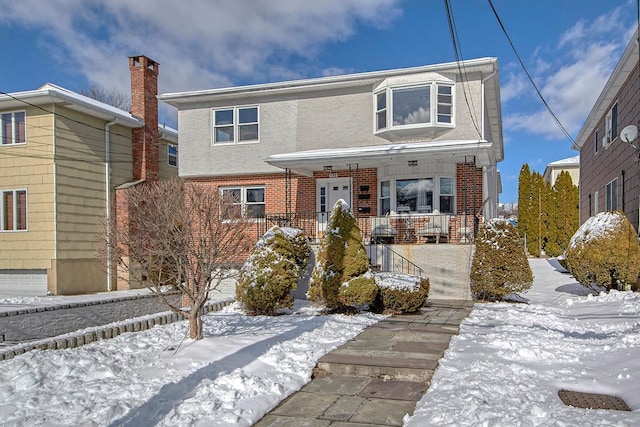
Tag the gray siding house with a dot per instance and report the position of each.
(409, 149)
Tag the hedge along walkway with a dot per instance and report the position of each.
(80, 338)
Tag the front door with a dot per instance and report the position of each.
(329, 191)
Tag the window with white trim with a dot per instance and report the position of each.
(385, 198)
(12, 128)
(235, 125)
(414, 195)
(13, 210)
(596, 141)
(172, 155)
(447, 199)
(250, 200)
(611, 195)
(611, 125)
(430, 104)
(595, 203)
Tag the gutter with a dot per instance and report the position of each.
(482, 101)
(107, 176)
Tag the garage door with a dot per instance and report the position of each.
(23, 282)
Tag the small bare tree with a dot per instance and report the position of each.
(181, 235)
(111, 97)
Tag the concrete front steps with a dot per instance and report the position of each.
(447, 266)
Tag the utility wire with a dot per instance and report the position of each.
(459, 59)
(555, 118)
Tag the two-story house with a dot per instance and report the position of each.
(411, 144)
(62, 155)
(609, 167)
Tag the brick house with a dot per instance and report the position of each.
(405, 148)
(609, 167)
(62, 155)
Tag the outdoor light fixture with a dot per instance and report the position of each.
(413, 163)
(327, 168)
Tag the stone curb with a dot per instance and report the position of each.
(106, 332)
(78, 304)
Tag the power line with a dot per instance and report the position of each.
(555, 118)
(459, 59)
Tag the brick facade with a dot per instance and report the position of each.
(468, 188)
(144, 105)
(619, 161)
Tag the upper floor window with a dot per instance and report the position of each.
(172, 155)
(415, 106)
(13, 210)
(611, 125)
(12, 128)
(235, 124)
(250, 201)
(611, 194)
(596, 141)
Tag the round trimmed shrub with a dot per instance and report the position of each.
(500, 266)
(605, 253)
(358, 291)
(270, 273)
(400, 293)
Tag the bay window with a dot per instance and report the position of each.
(430, 104)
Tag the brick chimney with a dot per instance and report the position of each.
(144, 105)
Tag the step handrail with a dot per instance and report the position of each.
(397, 263)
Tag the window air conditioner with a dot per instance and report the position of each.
(606, 142)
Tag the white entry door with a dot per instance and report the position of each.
(329, 191)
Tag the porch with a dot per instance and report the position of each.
(399, 229)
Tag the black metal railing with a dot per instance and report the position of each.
(383, 258)
(396, 229)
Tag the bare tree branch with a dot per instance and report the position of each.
(111, 97)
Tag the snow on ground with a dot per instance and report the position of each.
(242, 368)
(509, 361)
(505, 368)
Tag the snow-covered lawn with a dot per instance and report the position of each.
(242, 369)
(504, 369)
(510, 360)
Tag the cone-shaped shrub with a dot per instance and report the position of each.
(272, 271)
(400, 293)
(500, 266)
(342, 257)
(604, 252)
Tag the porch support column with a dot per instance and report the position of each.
(354, 187)
(287, 191)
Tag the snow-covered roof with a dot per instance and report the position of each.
(305, 162)
(569, 161)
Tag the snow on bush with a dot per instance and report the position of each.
(500, 265)
(272, 271)
(342, 258)
(400, 293)
(604, 252)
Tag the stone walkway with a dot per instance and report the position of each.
(376, 378)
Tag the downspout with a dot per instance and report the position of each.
(482, 101)
(107, 179)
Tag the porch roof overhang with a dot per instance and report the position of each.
(373, 156)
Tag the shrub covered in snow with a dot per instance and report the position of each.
(272, 271)
(400, 293)
(604, 252)
(361, 290)
(342, 258)
(500, 266)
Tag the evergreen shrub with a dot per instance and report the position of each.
(272, 271)
(341, 258)
(500, 266)
(400, 293)
(604, 252)
(359, 291)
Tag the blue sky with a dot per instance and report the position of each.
(569, 46)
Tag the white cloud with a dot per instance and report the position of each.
(582, 63)
(514, 86)
(199, 44)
